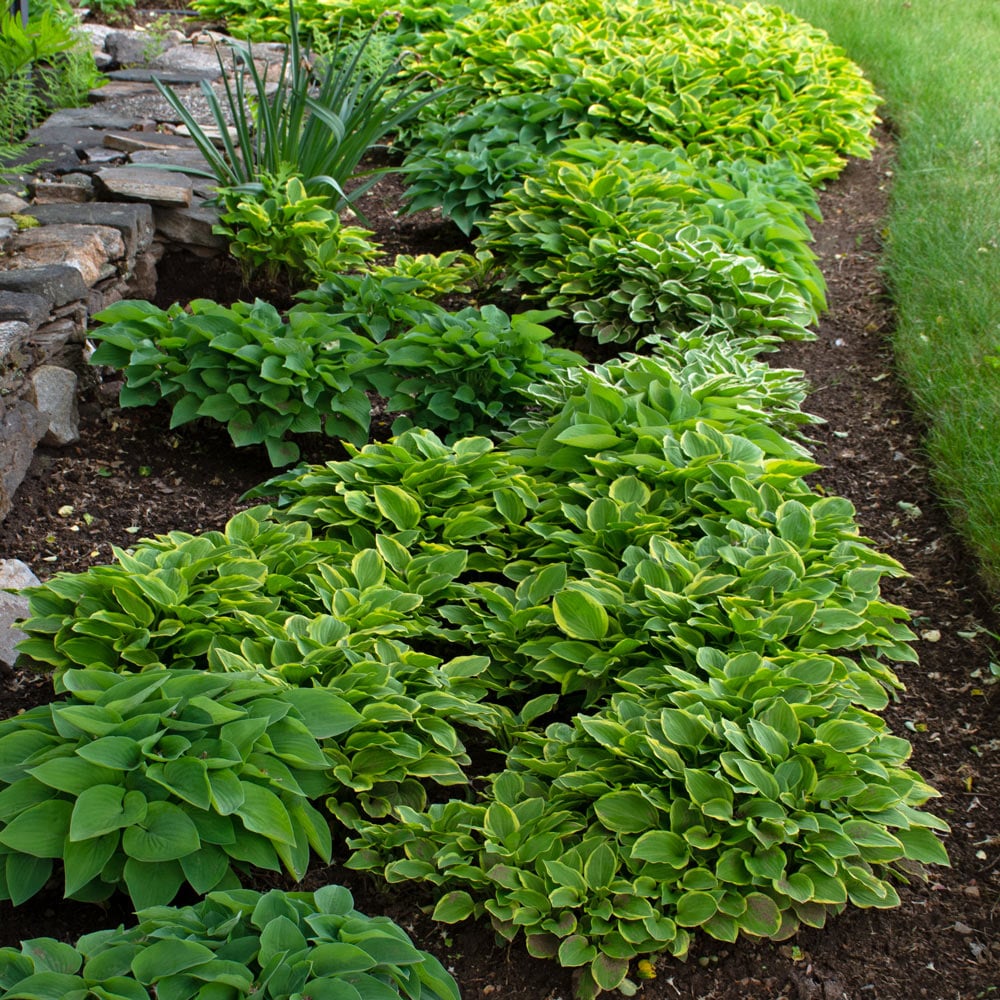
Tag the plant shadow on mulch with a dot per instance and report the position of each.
(131, 476)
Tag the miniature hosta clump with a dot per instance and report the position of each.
(466, 372)
(275, 946)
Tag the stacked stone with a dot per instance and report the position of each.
(106, 195)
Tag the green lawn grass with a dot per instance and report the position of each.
(938, 67)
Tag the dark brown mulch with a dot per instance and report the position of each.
(131, 476)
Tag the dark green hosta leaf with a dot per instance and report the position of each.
(695, 908)
(163, 959)
(25, 876)
(762, 917)
(103, 808)
(454, 907)
(41, 831)
(166, 833)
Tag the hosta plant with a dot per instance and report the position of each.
(732, 79)
(149, 782)
(637, 238)
(275, 946)
(464, 372)
(263, 378)
(466, 163)
(275, 228)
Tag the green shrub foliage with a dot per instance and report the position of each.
(640, 240)
(245, 367)
(676, 648)
(276, 946)
(465, 373)
(736, 80)
(150, 782)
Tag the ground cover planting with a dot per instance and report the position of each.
(583, 652)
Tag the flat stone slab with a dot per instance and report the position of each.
(10, 203)
(56, 283)
(88, 249)
(93, 116)
(133, 221)
(171, 77)
(74, 136)
(21, 429)
(157, 187)
(134, 142)
(190, 226)
(182, 159)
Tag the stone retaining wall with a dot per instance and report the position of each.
(88, 226)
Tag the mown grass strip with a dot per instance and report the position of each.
(936, 66)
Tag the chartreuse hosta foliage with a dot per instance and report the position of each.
(734, 79)
(275, 946)
(638, 240)
(675, 649)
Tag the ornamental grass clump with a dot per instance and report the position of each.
(316, 123)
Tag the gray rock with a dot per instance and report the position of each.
(16, 575)
(174, 78)
(24, 307)
(142, 280)
(100, 156)
(13, 608)
(103, 61)
(57, 158)
(21, 430)
(180, 159)
(10, 203)
(133, 221)
(93, 116)
(54, 392)
(74, 136)
(71, 188)
(13, 334)
(190, 226)
(58, 283)
(137, 48)
(157, 187)
(133, 142)
(199, 58)
(59, 343)
(95, 33)
(89, 249)
(7, 228)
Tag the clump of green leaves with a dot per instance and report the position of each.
(466, 163)
(244, 366)
(639, 240)
(734, 80)
(277, 946)
(275, 227)
(465, 372)
(169, 777)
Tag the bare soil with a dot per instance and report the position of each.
(130, 476)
